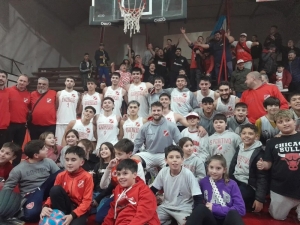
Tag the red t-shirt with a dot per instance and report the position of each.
(255, 98)
(19, 104)
(4, 109)
(5, 170)
(44, 113)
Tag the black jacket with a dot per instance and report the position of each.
(84, 68)
(257, 178)
(89, 164)
(101, 62)
(178, 63)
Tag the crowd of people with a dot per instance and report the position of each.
(157, 144)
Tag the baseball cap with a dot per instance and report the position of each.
(192, 114)
(243, 34)
(240, 61)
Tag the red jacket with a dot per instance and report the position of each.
(4, 109)
(286, 78)
(255, 98)
(243, 52)
(136, 207)
(19, 104)
(79, 187)
(208, 64)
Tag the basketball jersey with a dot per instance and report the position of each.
(170, 117)
(91, 100)
(131, 128)
(267, 130)
(139, 93)
(67, 107)
(85, 132)
(226, 109)
(107, 130)
(200, 96)
(117, 96)
(180, 102)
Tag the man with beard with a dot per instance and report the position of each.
(67, 104)
(293, 67)
(226, 103)
(4, 106)
(44, 111)
(178, 63)
(156, 135)
(256, 94)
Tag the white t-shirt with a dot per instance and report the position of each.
(178, 190)
(170, 117)
(67, 107)
(248, 44)
(180, 102)
(85, 132)
(279, 80)
(139, 93)
(91, 100)
(117, 96)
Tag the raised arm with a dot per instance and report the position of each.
(185, 37)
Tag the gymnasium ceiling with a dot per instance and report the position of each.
(75, 12)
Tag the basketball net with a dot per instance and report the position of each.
(132, 17)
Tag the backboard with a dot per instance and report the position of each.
(107, 12)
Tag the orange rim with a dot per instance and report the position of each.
(131, 10)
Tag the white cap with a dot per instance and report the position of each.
(192, 114)
(243, 34)
(240, 61)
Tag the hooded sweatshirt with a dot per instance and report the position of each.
(196, 165)
(234, 126)
(206, 122)
(225, 143)
(157, 137)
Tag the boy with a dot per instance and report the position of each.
(72, 191)
(282, 78)
(282, 157)
(266, 125)
(134, 202)
(34, 176)
(123, 150)
(200, 143)
(223, 141)
(252, 182)
(240, 118)
(8, 152)
(294, 102)
(181, 190)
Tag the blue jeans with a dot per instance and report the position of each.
(95, 210)
(34, 200)
(103, 211)
(103, 70)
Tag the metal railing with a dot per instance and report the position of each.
(13, 63)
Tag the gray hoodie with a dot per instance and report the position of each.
(206, 122)
(196, 166)
(225, 143)
(234, 126)
(241, 172)
(157, 137)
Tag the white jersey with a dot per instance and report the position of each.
(200, 143)
(131, 128)
(67, 107)
(85, 132)
(139, 93)
(107, 130)
(92, 100)
(226, 109)
(200, 96)
(117, 96)
(180, 102)
(170, 116)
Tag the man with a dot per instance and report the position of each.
(43, 111)
(205, 90)
(118, 94)
(178, 62)
(269, 60)
(102, 58)
(19, 104)
(67, 104)
(84, 126)
(160, 61)
(243, 50)
(256, 94)
(286, 50)
(238, 78)
(4, 106)
(217, 48)
(150, 74)
(169, 52)
(159, 83)
(274, 38)
(156, 135)
(138, 91)
(256, 52)
(226, 103)
(91, 97)
(86, 68)
(107, 125)
(294, 68)
(148, 55)
(195, 71)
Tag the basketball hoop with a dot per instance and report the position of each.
(132, 16)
